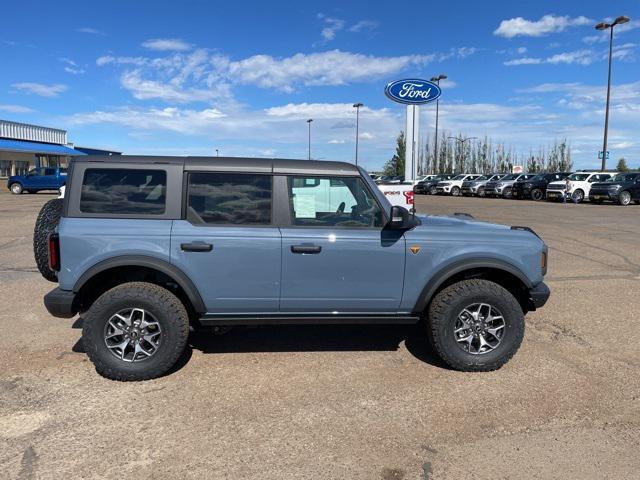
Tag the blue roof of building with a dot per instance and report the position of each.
(35, 147)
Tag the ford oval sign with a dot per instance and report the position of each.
(412, 91)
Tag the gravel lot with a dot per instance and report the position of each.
(342, 402)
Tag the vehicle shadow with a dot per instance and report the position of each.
(306, 338)
(313, 338)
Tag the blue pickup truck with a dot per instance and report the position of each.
(44, 178)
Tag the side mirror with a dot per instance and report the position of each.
(399, 218)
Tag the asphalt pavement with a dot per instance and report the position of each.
(365, 402)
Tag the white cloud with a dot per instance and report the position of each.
(334, 141)
(536, 28)
(580, 57)
(71, 66)
(523, 61)
(333, 67)
(331, 27)
(107, 59)
(522, 50)
(15, 109)
(622, 145)
(457, 52)
(366, 135)
(144, 89)
(92, 31)
(364, 26)
(40, 88)
(167, 44)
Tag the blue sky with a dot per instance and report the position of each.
(190, 77)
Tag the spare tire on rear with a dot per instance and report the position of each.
(46, 224)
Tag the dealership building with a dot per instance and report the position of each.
(24, 147)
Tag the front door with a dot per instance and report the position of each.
(227, 244)
(336, 256)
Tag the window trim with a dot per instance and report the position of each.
(185, 199)
(367, 187)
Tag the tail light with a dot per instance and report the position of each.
(409, 197)
(54, 252)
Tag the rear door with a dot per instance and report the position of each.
(336, 255)
(227, 243)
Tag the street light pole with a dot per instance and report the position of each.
(357, 107)
(437, 79)
(217, 153)
(603, 26)
(309, 123)
(463, 141)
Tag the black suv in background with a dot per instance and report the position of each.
(429, 186)
(622, 188)
(535, 188)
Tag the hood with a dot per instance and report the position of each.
(559, 183)
(606, 184)
(456, 221)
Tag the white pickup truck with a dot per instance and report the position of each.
(399, 194)
(579, 184)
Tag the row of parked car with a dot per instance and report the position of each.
(597, 187)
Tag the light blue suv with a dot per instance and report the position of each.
(149, 248)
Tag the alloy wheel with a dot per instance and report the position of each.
(479, 328)
(625, 198)
(132, 335)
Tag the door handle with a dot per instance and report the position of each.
(196, 247)
(305, 249)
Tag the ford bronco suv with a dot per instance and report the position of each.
(148, 249)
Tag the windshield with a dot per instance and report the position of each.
(482, 177)
(539, 176)
(511, 176)
(528, 176)
(578, 177)
(459, 177)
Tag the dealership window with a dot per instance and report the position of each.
(338, 201)
(123, 191)
(229, 199)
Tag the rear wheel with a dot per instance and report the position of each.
(536, 194)
(624, 198)
(506, 193)
(135, 331)
(46, 224)
(481, 192)
(16, 188)
(455, 191)
(475, 325)
(432, 190)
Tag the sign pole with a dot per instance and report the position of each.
(411, 137)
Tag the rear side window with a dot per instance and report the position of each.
(229, 199)
(123, 191)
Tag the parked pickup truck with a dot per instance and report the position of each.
(44, 178)
(232, 241)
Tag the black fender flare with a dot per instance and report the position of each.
(163, 266)
(459, 266)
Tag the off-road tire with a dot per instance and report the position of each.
(442, 315)
(624, 198)
(167, 309)
(46, 223)
(537, 194)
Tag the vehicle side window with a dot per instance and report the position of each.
(229, 199)
(123, 191)
(49, 171)
(338, 201)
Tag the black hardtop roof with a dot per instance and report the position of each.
(231, 164)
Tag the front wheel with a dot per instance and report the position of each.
(433, 191)
(455, 191)
(481, 192)
(624, 198)
(506, 193)
(475, 325)
(135, 331)
(16, 188)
